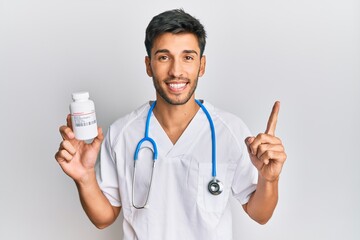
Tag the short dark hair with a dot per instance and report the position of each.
(174, 21)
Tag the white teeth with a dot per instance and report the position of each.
(177, 85)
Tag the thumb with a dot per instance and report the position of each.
(96, 143)
(248, 141)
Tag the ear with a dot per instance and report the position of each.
(148, 66)
(202, 66)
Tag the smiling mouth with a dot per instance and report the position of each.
(177, 86)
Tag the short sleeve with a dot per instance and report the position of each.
(246, 175)
(106, 173)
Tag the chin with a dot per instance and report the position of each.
(176, 101)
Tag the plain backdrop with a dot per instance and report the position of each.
(304, 53)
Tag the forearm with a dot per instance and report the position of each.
(95, 204)
(263, 201)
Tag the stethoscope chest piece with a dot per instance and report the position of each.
(215, 187)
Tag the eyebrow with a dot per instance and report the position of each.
(190, 51)
(167, 51)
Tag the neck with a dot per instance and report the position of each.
(175, 118)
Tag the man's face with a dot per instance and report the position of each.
(175, 66)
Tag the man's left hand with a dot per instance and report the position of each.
(266, 150)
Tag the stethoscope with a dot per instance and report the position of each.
(215, 186)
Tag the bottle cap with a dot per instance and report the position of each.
(80, 96)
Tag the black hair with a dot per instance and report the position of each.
(174, 21)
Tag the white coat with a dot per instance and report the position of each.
(180, 205)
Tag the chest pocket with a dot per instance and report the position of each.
(207, 202)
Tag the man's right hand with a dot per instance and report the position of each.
(77, 158)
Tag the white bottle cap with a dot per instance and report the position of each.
(80, 96)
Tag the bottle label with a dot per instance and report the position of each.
(84, 119)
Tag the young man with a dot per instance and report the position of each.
(203, 154)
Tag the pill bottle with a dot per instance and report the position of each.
(83, 117)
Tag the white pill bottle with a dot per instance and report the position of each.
(83, 117)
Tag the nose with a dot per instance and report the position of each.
(176, 68)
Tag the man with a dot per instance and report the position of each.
(174, 201)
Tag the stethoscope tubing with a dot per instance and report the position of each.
(215, 187)
(213, 138)
(146, 137)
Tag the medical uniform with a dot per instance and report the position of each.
(179, 205)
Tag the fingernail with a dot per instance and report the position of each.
(71, 135)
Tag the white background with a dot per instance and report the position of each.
(304, 53)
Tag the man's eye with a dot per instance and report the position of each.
(163, 58)
(189, 58)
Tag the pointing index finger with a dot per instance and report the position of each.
(271, 125)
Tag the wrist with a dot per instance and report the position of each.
(268, 188)
(88, 179)
(267, 181)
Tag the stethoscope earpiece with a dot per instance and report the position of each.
(215, 187)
